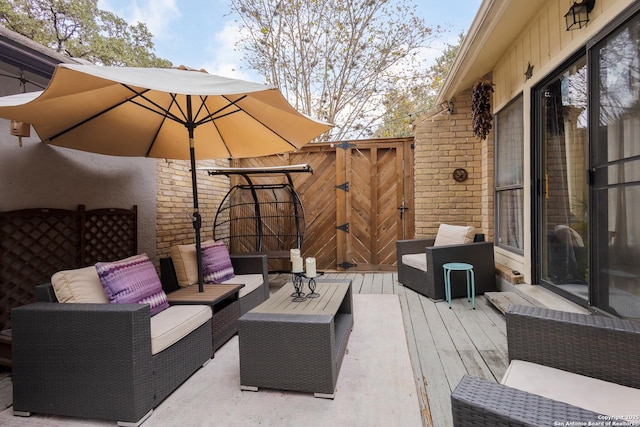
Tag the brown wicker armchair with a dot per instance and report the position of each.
(591, 346)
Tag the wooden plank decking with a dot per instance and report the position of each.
(443, 344)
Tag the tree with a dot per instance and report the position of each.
(402, 105)
(81, 30)
(334, 59)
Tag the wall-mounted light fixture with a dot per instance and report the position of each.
(20, 129)
(578, 15)
(447, 106)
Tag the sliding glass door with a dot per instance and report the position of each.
(615, 136)
(587, 174)
(562, 187)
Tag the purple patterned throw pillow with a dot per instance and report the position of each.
(133, 280)
(216, 263)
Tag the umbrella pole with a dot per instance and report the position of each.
(197, 219)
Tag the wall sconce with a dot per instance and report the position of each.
(447, 106)
(578, 15)
(20, 129)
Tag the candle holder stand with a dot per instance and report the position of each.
(298, 285)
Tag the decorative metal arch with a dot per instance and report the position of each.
(261, 217)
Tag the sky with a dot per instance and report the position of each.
(200, 33)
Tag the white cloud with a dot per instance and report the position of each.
(158, 15)
(223, 58)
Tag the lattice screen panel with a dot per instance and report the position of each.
(35, 243)
(109, 234)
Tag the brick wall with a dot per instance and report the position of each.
(175, 202)
(444, 142)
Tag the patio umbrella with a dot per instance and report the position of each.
(173, 113)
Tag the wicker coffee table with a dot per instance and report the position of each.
(297, 346)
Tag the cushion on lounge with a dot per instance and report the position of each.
(454, 235)
(133, 280)
(185, 263)
(216, 263)
(251, 282)
(578, 390)
(81, 285)
(176, 322)
(418, 261)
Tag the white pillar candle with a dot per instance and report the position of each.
(293, 253)
(296, 264)
(311, 267)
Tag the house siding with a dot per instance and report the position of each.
(544, 44)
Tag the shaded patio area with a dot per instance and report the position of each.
(443, 344)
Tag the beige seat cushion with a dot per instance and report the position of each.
(418, 261)
(454, 235)
(81, 285)
(251, 282)
(176, 322)
(185, 263)
(584, 392)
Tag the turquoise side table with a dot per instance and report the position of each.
(471, 284)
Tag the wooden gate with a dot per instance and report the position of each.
(357, 202)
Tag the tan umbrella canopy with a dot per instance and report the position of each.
(172, 113)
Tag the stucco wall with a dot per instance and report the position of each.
(38, 175)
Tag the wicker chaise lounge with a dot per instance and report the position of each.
(594, 347)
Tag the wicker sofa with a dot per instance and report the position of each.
(92, 360)
(598, 378)
(426, 276)
(180, 270)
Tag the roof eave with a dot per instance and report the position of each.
(25, 54)
(492, 31)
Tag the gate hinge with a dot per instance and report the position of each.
(345, 145)
(347, 265)
(344, 186)
(344, 227)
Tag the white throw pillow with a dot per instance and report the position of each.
(81, 285)
(454, 235)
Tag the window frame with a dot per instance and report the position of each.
(513, 186)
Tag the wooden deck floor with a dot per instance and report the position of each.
(443, 344)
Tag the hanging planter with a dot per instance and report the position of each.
(481, 108)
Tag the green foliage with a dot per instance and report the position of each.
(403, 104)
(335, 59)
(80, 29)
